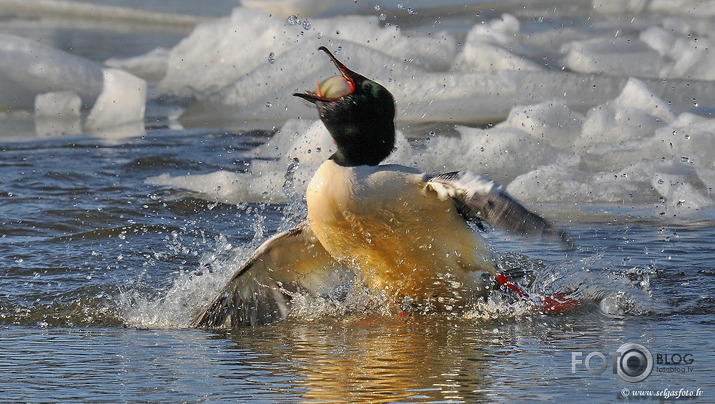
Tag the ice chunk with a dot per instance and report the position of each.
(28, 68)
(120, 106)
(553, 183)
(58, 104)
(636, 113)
(615, 56)
(559, 183)
(300, 145)
(226, 186)
(500, 153)
(151, 66)
(493, 46)
(692, 61)
(552, 121)
(636, 94)
(58, 113)
(659, 39)
(690, 140)
(688, 54)
(680, 193)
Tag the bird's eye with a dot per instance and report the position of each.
(367, 86)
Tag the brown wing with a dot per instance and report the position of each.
(260, 291)
(479, 198)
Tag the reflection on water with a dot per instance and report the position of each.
(433, 358)
(355, 359)
(373, 359)
(401, 359)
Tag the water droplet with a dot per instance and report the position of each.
(271, 58)
(293, 20)
(377, 7)
(411, 11)
(268, 105)
(684, 159)
(382, 17)
(687, 137)
(306, 25)
(431, 133)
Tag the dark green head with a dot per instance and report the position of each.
(359, 114)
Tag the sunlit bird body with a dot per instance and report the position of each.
(402, 234)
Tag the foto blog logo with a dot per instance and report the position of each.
(631, 362)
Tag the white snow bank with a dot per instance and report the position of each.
(244, 68)
(596, 112)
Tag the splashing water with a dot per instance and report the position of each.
(610, 292)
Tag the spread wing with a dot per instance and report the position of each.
(479, 198)
(260, 291)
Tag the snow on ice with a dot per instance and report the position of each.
(613, 106)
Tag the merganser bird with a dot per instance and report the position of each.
(401, 233)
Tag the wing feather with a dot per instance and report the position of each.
(260, 291)
(479, 198)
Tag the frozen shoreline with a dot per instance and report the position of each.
(601, 109)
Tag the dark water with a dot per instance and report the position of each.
(89, 253)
